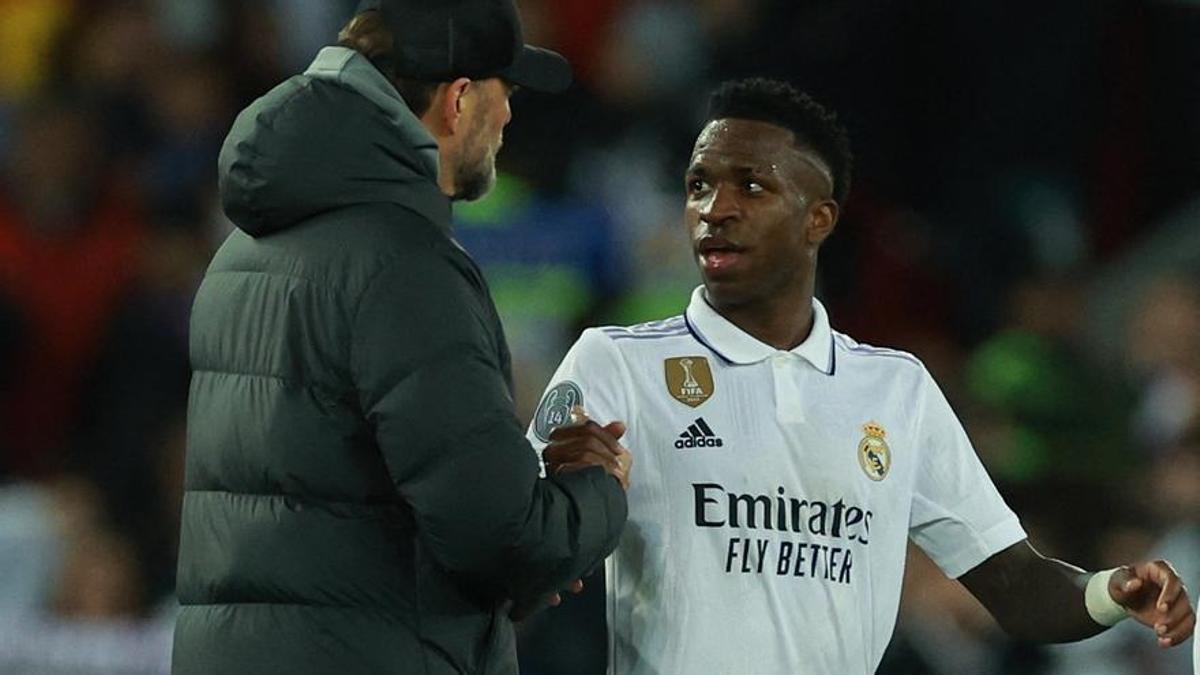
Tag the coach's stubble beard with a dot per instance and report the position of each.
(475, 175)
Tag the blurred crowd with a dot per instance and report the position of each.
(1025, 218)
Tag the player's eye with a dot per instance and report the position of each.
(697, 186)
(754, 187)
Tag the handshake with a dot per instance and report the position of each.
(579, 444)
(582, 443)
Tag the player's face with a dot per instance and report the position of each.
(476, 171)
(750, 205)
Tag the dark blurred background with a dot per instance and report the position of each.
(1025, 217)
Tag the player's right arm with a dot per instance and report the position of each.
(592, 383)
(428, 372)
(594, 379)
(583, 443)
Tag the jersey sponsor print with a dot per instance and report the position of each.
(828, 530)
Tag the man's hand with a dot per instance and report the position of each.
(576, 587)
(574, 446)
(521, 611)
(1153, 594)
(584, 443)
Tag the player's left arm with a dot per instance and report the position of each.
(959, 518)
(1041, 599)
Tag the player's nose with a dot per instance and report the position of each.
(722, 205)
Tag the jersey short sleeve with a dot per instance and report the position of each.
(958, 517)
(592, 375)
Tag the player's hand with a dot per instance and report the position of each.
(1153, 594)
(584, 443)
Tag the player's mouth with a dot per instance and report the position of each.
(718, 253)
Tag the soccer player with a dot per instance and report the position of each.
(783, 465)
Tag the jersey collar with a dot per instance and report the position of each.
(736, 346)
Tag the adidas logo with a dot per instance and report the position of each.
(698, 435)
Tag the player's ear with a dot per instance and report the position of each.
(449, 103)
(822, 220)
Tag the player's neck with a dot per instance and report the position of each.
(782, 321)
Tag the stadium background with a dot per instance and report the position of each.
(1025, 217)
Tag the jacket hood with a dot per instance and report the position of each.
(336, 136)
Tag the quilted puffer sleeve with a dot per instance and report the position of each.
(429, 379)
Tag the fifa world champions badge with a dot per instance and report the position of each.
(689, 379)
(874, 456)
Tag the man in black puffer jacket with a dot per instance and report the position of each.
(360, 497)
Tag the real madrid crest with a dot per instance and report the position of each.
(689, 379)
(874, 456)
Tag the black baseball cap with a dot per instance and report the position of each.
(440, 40)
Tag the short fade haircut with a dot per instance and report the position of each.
(775, 102)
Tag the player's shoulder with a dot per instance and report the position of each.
(642, 336)
(650, 330)
(605, 352)
(860, 356)
(632, 343)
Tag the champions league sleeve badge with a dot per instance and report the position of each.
(874, 456)
(555, 409)
(689, 379)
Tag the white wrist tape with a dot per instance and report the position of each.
(1100, 605)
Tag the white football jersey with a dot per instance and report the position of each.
(773, 492)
